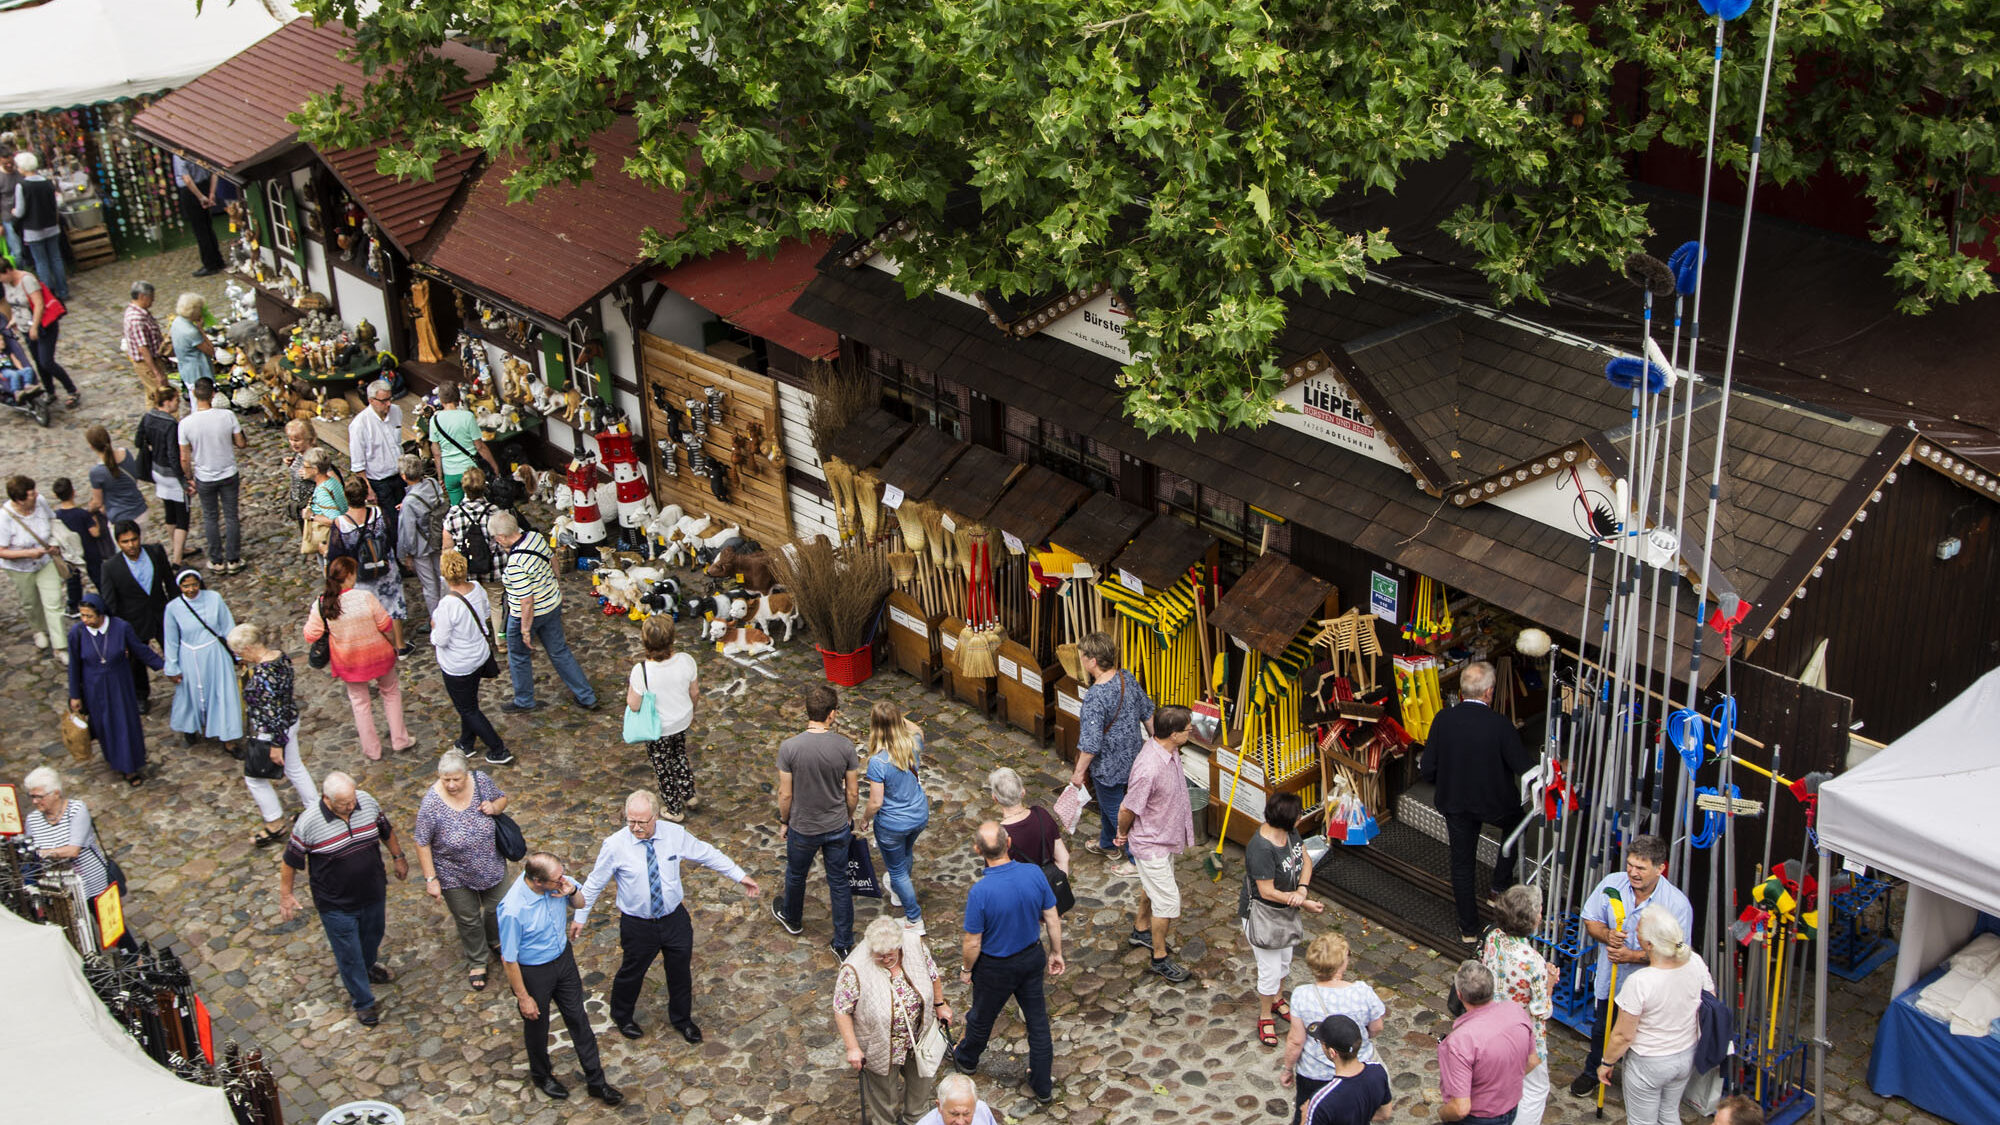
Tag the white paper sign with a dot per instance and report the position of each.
(905, 620)
(950, 524)
(1084, 571)
(950, 642)
(1010, 669)
(1226, 762)
(1013, 542)
(1031, 679)
(892, 496)
(1069, 704)
(1131, 582)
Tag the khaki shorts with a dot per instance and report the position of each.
(1157, 877)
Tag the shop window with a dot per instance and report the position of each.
(284, 236)
(921, 395)
(1038, 441)
(1240, 528)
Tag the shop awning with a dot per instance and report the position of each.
(82, 52)
(756, 294)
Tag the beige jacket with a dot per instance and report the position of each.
(871, 1011)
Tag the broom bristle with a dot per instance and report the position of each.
(867, 495)
(910, 517)
(978, 652)
(903, 564)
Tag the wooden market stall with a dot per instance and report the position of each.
(715, 424)
(920, 560)
(1026, 516)
(970, 638)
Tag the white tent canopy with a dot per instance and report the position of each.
(1926, 809)
(80, 52)
(83, 1065)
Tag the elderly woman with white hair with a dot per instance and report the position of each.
(462, 865)
(194, 352)
(37, 211)
(886, 1000)
(271, 720)
(61, 829)
(1658, 1023)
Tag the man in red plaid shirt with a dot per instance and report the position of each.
(143, 339)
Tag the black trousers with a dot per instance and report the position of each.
(557, 984)
(1594, 1057)
(1463, 832)
(472, 722)
(670, 938)
(203, 225)
(1018, 977)
(389, 497)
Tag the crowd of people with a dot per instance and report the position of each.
(394, 517)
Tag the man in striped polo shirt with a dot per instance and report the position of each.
(534, 613)
(338, 843)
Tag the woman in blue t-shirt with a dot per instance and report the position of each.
(896, 802)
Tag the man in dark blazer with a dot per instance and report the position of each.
(1475, 757)
(137, 586)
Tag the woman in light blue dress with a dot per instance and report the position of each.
(207, 701)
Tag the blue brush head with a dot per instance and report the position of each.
(1684, 262)
(1626, 371)
(1725, 9)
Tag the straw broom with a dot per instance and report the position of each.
(867, 494)
(840, 482)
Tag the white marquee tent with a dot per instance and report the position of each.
(1927, 810)
(80, 52)
(84, 1067)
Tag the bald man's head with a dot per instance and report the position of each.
(991, 841)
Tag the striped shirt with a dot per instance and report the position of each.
(73, 829)
(528, 573)
(345, 854)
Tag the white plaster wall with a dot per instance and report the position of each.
(680, 320)
(360, 300)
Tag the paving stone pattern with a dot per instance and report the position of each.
(1130, 1047)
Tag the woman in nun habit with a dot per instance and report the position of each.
(102, 650)
(207, 701)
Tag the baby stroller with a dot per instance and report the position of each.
(20, 387)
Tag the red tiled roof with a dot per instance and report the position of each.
(234, 117)
(756, 294)
(569, 245)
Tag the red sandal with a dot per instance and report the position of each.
(1282, 1010)
(1267, 1031)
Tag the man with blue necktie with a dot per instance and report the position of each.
(645, 858)
(535, 952)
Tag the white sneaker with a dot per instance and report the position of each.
(893, 899)
(916, 927)
(41, 640)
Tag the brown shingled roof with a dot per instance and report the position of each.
(570, 244)
(234, 118)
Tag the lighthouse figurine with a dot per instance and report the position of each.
(578, 492)
(633, 496)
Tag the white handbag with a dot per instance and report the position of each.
(930, 1049)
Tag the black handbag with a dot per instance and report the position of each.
(507, 839)
(257, 759)
(320, 653)
(1059, 883)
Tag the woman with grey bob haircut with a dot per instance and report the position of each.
(1521, 974)
(887, 998)
(1033, 834)
(462, 867)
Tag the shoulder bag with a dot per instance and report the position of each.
(1059, 883)
(63, 566)
(507, 838)
(932, 1046)
(196, 614)
(491, 668)
(320, 653)
(257, 759)
(643, 725)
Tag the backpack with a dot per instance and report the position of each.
(431, 521)
(366, 547)
(476, 545)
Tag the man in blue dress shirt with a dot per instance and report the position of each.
(645, 858)
(534, 947)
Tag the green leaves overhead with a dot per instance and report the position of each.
(1188, 152)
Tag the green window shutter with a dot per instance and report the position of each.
(298, 228)
(601, 367)
(253, 195)
(555, 368)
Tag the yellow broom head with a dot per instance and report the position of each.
(978, 652)
(867, 494)
(910, 517)
(1072, 663)
(903, 564)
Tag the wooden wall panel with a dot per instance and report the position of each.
(759, 500)
(1907, 631)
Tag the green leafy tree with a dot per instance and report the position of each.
(1188, 152)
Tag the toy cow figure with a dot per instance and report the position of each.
(744, 640)
(776, 606)
(754, 568)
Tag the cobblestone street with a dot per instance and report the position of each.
(1130, 1047)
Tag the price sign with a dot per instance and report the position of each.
(950, 525)
(1083, 571)
(1013, 541)
(1030, 679)
(1069, 704)
(1131, 582)
(110, 916)
(892, 496)
(10, 811)
(1009, 669)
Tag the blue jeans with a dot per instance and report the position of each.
(1109, 798)
(898, 853)
(356, 937)
(831, 847)
(548, 631)
(14, 247)
(47, 253)
(994, 981)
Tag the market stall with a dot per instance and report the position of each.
(971, 636)
(920, 554)
(1922, 810)
(1026, 516)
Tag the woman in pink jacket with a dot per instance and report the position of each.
(358, 632)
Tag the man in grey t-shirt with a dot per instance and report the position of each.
(819, 780)
(210, 438)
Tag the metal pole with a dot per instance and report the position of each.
(1822, 941)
